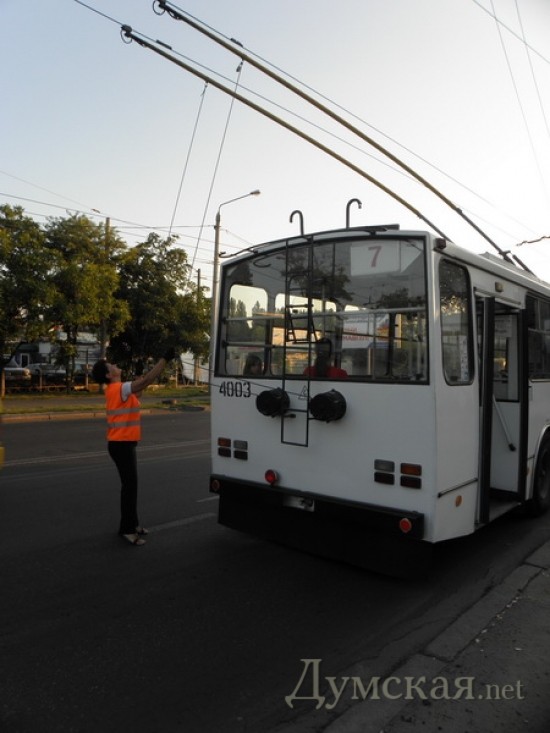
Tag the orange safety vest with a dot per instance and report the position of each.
(123, 418)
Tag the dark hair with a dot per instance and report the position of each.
(324, 341)
(252, 360)
(99, 372)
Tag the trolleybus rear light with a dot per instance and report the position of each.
(410, 475)
(271, 476)
(240, 449)
(411, 482)
(381, 465)
(215, 486)
(384, 478)
(405, 525)
(224, 447)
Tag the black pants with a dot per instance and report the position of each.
(123, 454)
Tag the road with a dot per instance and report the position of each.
(203, 629)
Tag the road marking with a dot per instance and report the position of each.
(98, 454)
(210, 498)
(183, 522)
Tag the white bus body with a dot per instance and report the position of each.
(433, 418)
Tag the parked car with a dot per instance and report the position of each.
(17, 375)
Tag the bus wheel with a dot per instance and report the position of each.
(540, 501)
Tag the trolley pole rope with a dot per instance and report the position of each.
(177, 15)
(129, 33)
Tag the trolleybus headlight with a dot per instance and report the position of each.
(272, 402)
(328, 406)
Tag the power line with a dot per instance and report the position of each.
(190, 148)
(512, 32)
(527, 51)
(520, 104)
(459, 210)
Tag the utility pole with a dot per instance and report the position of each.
(196, 360)
(103, 327)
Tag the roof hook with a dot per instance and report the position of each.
(301, 220)
(350, 202)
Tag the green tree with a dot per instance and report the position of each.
(85, 280)
(165, 308)
(25, 289)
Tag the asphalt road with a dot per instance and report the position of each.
(203, 629)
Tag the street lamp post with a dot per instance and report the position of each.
(216, 276)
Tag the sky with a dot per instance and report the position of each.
(458, 90)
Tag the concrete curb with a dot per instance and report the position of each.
(484, 645)
(47, 416)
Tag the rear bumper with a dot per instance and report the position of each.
(357, 533)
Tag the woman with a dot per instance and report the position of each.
(253, 366)
(124, 433)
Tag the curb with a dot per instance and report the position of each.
(444, 651)
(47, 416)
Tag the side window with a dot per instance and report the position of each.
(538, 321)
(246, 328)
(456, 325)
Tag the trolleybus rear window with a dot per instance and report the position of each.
(367, 297)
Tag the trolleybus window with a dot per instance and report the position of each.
(538, 315)
(456, 331)
(368, 296)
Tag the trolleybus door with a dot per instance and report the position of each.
(503, 402)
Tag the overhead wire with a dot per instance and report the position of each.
(130, 226)
(335, 104)
(533, 75)
(176, 14)
(535, 84)
(512, 32)
(201, 227)
(460, 211)
(128, 32)
(231, 43)
(218, 159)
(189, 150)
(520, 104)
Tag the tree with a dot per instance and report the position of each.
(25, 289)
(84, 278)
(165, 308)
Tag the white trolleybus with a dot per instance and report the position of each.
(377, 391)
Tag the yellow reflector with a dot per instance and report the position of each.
(411, 469)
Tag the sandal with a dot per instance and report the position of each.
(142, 531)
(133, 539)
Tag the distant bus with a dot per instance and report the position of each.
(433, 419)
(193, 370)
